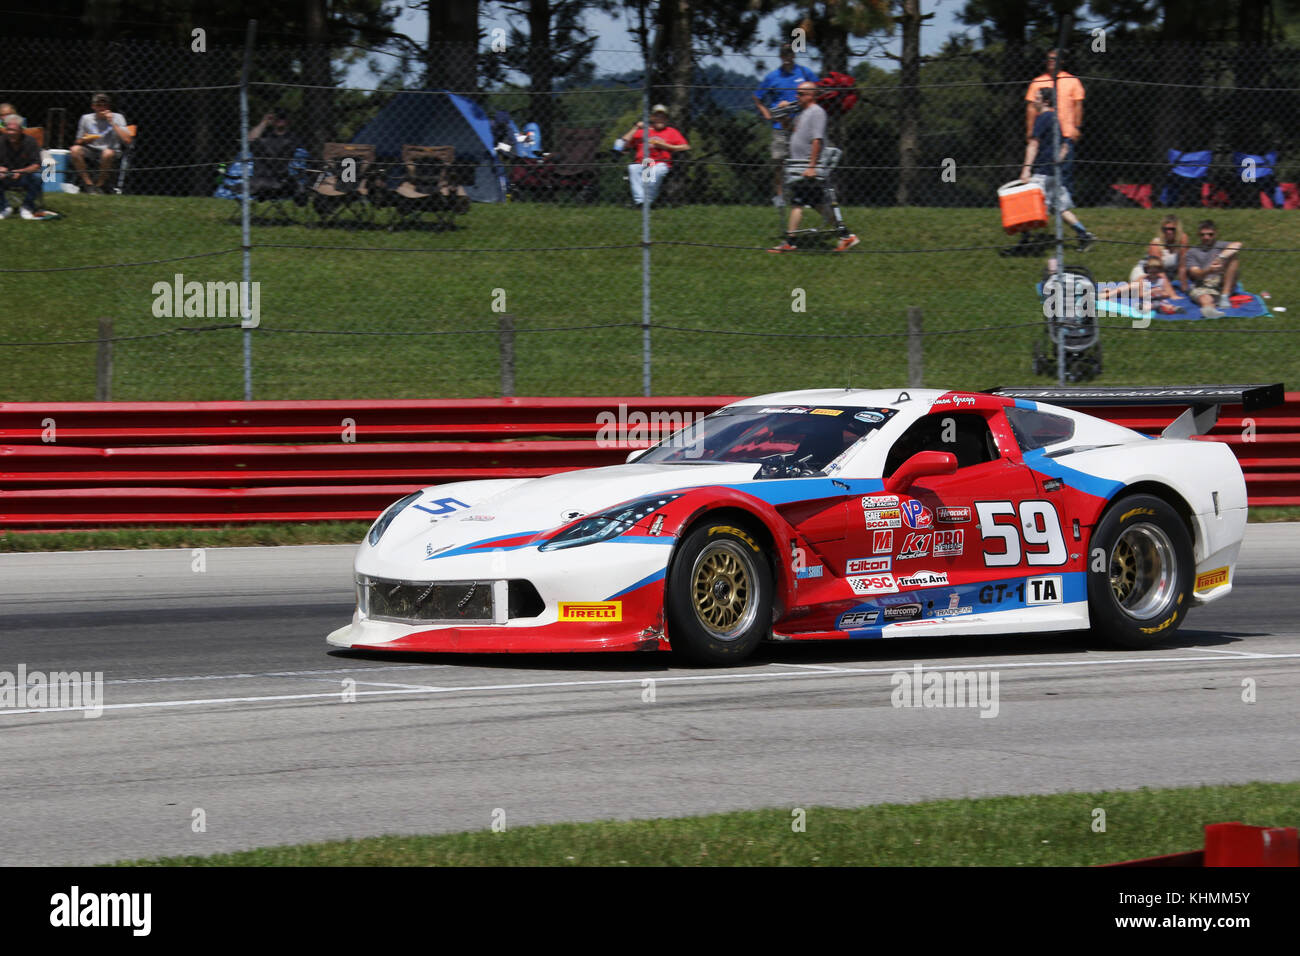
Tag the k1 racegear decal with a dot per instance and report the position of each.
(868, 565)
(917, 515)
(1039, 525)
(882, 542)
(873, 584)
(914, 546)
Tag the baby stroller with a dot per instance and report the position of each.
(1074, 329)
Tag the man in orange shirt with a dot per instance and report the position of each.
(1069, 110)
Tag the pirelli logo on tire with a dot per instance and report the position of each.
(591, 611)
(1212, 579)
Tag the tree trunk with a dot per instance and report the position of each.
(451, 60)
(315, 121)
(909, 75)
(679, 99)
(541, 70)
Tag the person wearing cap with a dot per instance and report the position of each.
(778, 92)
(806, 171)
(647, 174)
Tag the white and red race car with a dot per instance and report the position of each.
(831, 514)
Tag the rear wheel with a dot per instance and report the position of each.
(719, 596)
(1140, 573)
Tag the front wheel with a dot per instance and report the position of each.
(1140, 574)
(719, 596)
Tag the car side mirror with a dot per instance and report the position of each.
(635, 454)
(920, 465)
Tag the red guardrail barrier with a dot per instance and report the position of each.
(89, 464)
(1234, 844)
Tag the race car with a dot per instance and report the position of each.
(829, 514)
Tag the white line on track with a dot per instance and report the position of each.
(311, 673)
(612, 682)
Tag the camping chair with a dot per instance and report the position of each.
(432, 182)
(1188, 170)
(1262, 186)
(571, 168)
(344, 184)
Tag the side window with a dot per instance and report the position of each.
(1035, 429)
(964, 434)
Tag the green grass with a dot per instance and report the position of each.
(235, 536)
(1051, 830)
(710, 272)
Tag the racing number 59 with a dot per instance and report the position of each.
(1039, 526)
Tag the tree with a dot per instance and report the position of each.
(451, 54)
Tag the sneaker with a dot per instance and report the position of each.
(1225, 302)
(784, 247)
(1210, 312)
(26, 213)
(778, 201)
(92, 190)
(848, 242)
(1086, 241)
(7, 211)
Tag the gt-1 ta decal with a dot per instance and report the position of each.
(1039, 527)
(1030, 592)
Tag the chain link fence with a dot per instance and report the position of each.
(417, 243)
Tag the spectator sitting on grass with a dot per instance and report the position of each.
(101, 137)
(20, 162)
(1170, 247)
(1213, 266)
(1153, 283)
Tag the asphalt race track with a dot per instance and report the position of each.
(220, 695)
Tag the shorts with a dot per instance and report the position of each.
(1053, 192)
(780, 144)
(806, 192)
(1211, 284)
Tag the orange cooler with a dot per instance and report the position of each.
(1024, 207)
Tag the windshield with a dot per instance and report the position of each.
(803, 437)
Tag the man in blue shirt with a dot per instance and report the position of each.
(778, 92)
(1039, 168)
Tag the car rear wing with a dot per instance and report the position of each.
(1202, 401)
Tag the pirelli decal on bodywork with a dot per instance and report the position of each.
(589, 611)
(1212, 579)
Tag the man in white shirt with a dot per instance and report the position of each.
(101, 137)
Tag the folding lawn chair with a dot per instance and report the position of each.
(432, 182)
(1188, 170)
(345, 184)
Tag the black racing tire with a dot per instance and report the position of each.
(1143, 589)
(719, 595)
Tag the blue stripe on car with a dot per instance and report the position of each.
(1082, 481)
(650, 578)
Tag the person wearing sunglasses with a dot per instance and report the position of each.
(1169, 245)
(1213, 268)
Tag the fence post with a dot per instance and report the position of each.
(506, 340)
(104, 361)
(915, 357)
(246, 157)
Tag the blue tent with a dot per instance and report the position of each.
(439, 118)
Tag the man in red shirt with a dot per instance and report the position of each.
(646, 174)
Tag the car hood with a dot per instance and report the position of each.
(503, 512)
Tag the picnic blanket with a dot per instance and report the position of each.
(1245, 305)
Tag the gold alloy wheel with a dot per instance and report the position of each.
(723, 581)
(1143, 570)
